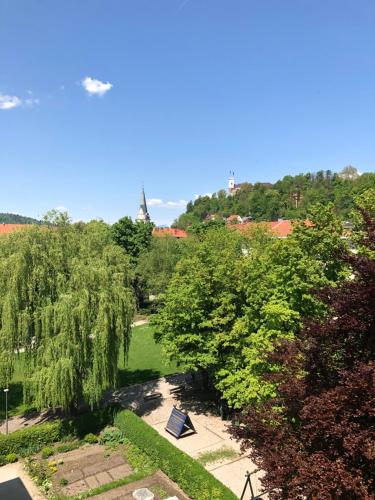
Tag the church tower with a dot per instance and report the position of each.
(143, 215)
(231, 183)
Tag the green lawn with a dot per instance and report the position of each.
(145, 362)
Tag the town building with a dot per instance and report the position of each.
(143, 215)
(232, 186)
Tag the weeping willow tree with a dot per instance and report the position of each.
(67, 303)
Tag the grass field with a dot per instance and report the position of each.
(145, 362)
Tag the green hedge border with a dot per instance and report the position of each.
(35, 437)
(189, 474)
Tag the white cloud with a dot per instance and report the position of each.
(95, 87)
(32, 102)
(9, 101)
(157, 202)
(61, 208)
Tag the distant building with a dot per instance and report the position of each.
(281, 228)
(10, 228)
(169, 231)
(234, 219)
(143, 215)
(232, 186)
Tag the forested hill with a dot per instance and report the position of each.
(6, 218)
(288, 198)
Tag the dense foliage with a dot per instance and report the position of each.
(316, 437)
(34, 437)
(234, 295)
(66, 300)
(289, 198)
(133, 237)
(189, 474)
(6, 218)
(156, 265)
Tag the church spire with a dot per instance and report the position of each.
(143, 215)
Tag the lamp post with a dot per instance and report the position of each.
(6, 410)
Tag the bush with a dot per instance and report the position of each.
(11, 458)
(112, 436)
(3, 460)
(47, 451)
(90, 438)
(190, 475)
(34, 437)
(90, 422)
(64, 448)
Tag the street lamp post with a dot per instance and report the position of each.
(6, 410)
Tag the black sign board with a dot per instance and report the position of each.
(179, 423)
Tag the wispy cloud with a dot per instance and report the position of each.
(32, 102)
(61, 208)
(157, 202)
(9, 101)
(95, 87)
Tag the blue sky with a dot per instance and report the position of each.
(97, 97)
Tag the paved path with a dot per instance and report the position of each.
(13, 471)
(211, 430)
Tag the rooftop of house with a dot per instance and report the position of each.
(280, 228)
(169, 231)
(10, 228)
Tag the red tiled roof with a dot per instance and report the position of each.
(169, 231)
(10, 228)
(280, 228)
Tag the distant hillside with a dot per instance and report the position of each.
(288, 198)
(6, 218)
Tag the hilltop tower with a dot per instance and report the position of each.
(231, 183)
(143, 215)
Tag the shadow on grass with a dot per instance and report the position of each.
(130, 377)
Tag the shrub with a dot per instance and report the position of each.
(11, 458)
(90, 422)
(191, 476)
(47, 451)
(3, 460)
(90, 438)
(64, 448)
(34, 437)
(112, 436)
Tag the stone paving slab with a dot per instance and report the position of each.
(88, 468)
(120, 471)
(158, 479)
(211, 430)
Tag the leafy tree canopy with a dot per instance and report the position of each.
(65, 299)
(133, 237)
(291, 197)
(316, 437)
(234, 296)
(6, 218)
(156, 265)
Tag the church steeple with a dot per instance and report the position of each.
(143, 215)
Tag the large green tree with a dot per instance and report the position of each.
(133, 237)
(155, 267)
(66, 300)
(234, 296)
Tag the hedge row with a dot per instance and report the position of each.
(36, 436)
(190, 475)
